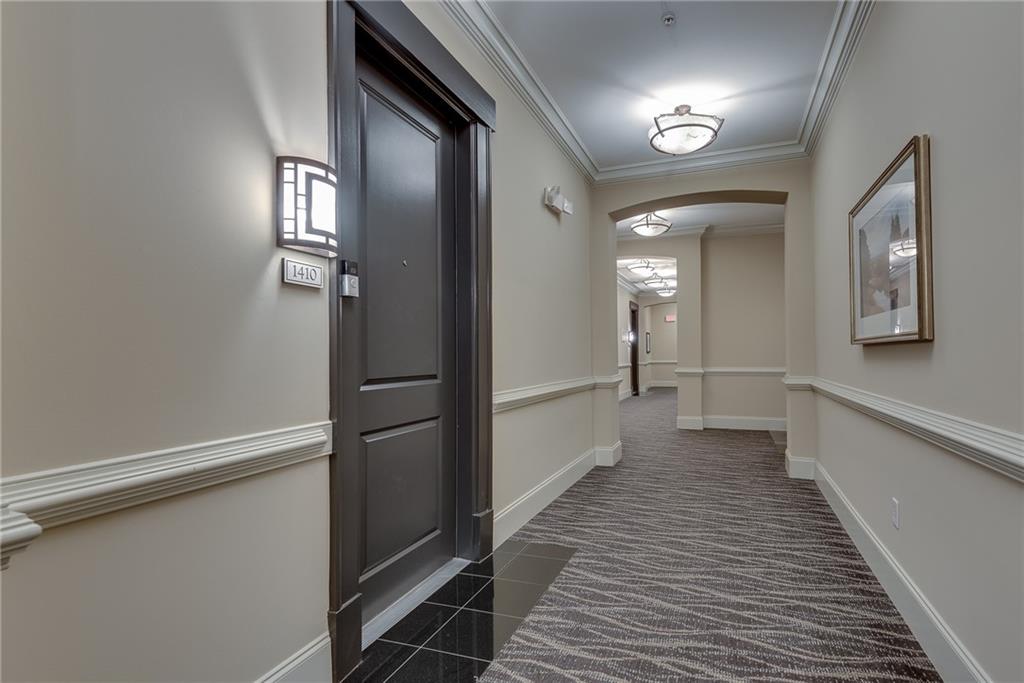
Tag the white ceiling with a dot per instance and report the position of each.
(595, 73)
(665, 267)
(716, 218)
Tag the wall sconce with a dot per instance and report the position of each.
(307, 206)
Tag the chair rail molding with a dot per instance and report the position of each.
(689, 372)
(34, 502)
(998, 449)
(484, 30)
(511, 399)
(661, 362)
(746, 372)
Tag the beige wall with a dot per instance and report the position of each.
(663, 344)
(535, 253)
(962, 537)
(743, 311)
(144, 311)
(143, 136)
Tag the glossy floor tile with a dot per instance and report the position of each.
(458, 590)
(421, 623)
(542, 570)
(469, 633)
(504, 596)
(462, 626)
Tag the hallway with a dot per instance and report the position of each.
(699, 559)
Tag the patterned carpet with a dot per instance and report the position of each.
(698, 559)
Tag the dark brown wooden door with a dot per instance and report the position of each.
(403, 328)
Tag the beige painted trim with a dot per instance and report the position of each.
(799, 468)
(746, 372)
(661, 362)
(511, 399)
(689, 372)
(995, 448)
(38, 501)
(284, 672)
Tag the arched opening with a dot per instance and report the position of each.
(729, 319)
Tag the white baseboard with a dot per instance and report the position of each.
(950, 656)
(623, 395)
(511, 518)
(799, 468)
(740, 422)
(311, 664)
(689, 422)
(608, 456)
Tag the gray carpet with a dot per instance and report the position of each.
(698, 559)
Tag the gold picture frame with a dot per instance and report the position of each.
(890, 266)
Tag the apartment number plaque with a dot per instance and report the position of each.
(299, 273)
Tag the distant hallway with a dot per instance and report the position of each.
(699, 559)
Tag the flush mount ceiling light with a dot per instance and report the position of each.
(682, 131)
(307, 206)
(904, 248)
(650, 225)
(666, 292)
(642, 267)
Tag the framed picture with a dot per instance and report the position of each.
(890, 253)
(647, 340)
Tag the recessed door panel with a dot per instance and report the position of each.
(403, 210)
(401, 491)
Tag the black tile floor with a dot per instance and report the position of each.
(455, 633)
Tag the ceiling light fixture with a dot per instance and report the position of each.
(650, 225)
(642, 267)
(904, 248)
(683, 132)
(666, 292)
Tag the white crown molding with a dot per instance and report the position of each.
(998, 449)
(38, 501)
(511, 399)
(627, 284)
(847, 29)
(485, 31)
(746, 372)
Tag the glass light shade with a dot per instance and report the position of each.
(307, 206)
(904, 248)
(683, 132)
(650, 225)
(642, 268)
(666, 292)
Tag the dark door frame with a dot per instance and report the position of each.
(634, 349)
(392, 29)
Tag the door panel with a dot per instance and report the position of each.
(401, 468)
(403, 325)
(402, 172)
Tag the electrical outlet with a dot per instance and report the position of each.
(894, 513)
